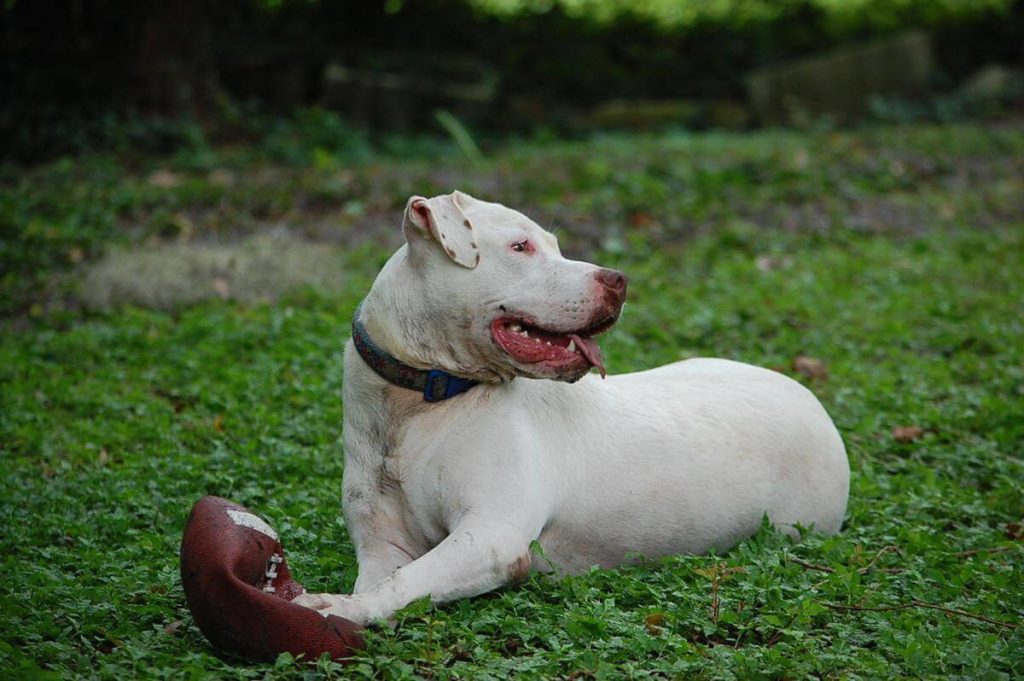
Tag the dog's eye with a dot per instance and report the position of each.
(522, 247)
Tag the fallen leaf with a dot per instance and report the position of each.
(103, 457)
(1015, 531)
(810, 367)
(654, 622)
(108, 645)
(218, 423)
(76, 255)
(640, 219)
(172, 628)
(907, 433)
(511, 645)
(164, 179)
(769, 263)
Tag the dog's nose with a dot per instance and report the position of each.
(611, 279)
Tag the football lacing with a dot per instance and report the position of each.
(271, 572)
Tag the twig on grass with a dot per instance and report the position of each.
(882, 552)
(810, 566)
(864, 570)
(918, 604)
(990, 549)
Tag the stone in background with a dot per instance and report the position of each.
(840, 84)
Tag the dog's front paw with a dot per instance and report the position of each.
(313, 601)
(346, 607)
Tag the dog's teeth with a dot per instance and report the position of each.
(572, 346)
(524, 334)
(515, 328)
(547, 342)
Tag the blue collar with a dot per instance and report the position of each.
(436, 385)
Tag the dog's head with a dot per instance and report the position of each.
(494, 296)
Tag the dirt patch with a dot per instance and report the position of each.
(165, 276)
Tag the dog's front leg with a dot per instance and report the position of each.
(479, 555)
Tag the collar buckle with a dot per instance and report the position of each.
(441, 385)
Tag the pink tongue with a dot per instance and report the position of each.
(589, 349)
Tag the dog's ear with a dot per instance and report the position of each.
(441, 219)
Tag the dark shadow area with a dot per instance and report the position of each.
(83, 74)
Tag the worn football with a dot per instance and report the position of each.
(239, 589)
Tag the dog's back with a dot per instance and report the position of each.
(683, 458)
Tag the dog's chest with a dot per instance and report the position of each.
(392, 476)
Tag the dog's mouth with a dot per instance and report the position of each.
(529, 343)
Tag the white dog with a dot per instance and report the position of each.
(455, 461)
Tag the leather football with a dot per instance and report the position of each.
(239, 589)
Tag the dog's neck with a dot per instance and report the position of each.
(385, 314)
(434, 384)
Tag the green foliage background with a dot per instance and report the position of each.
(843, 15)
(892, 254)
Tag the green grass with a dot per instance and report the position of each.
(893, 255)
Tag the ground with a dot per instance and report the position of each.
(882, 267)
